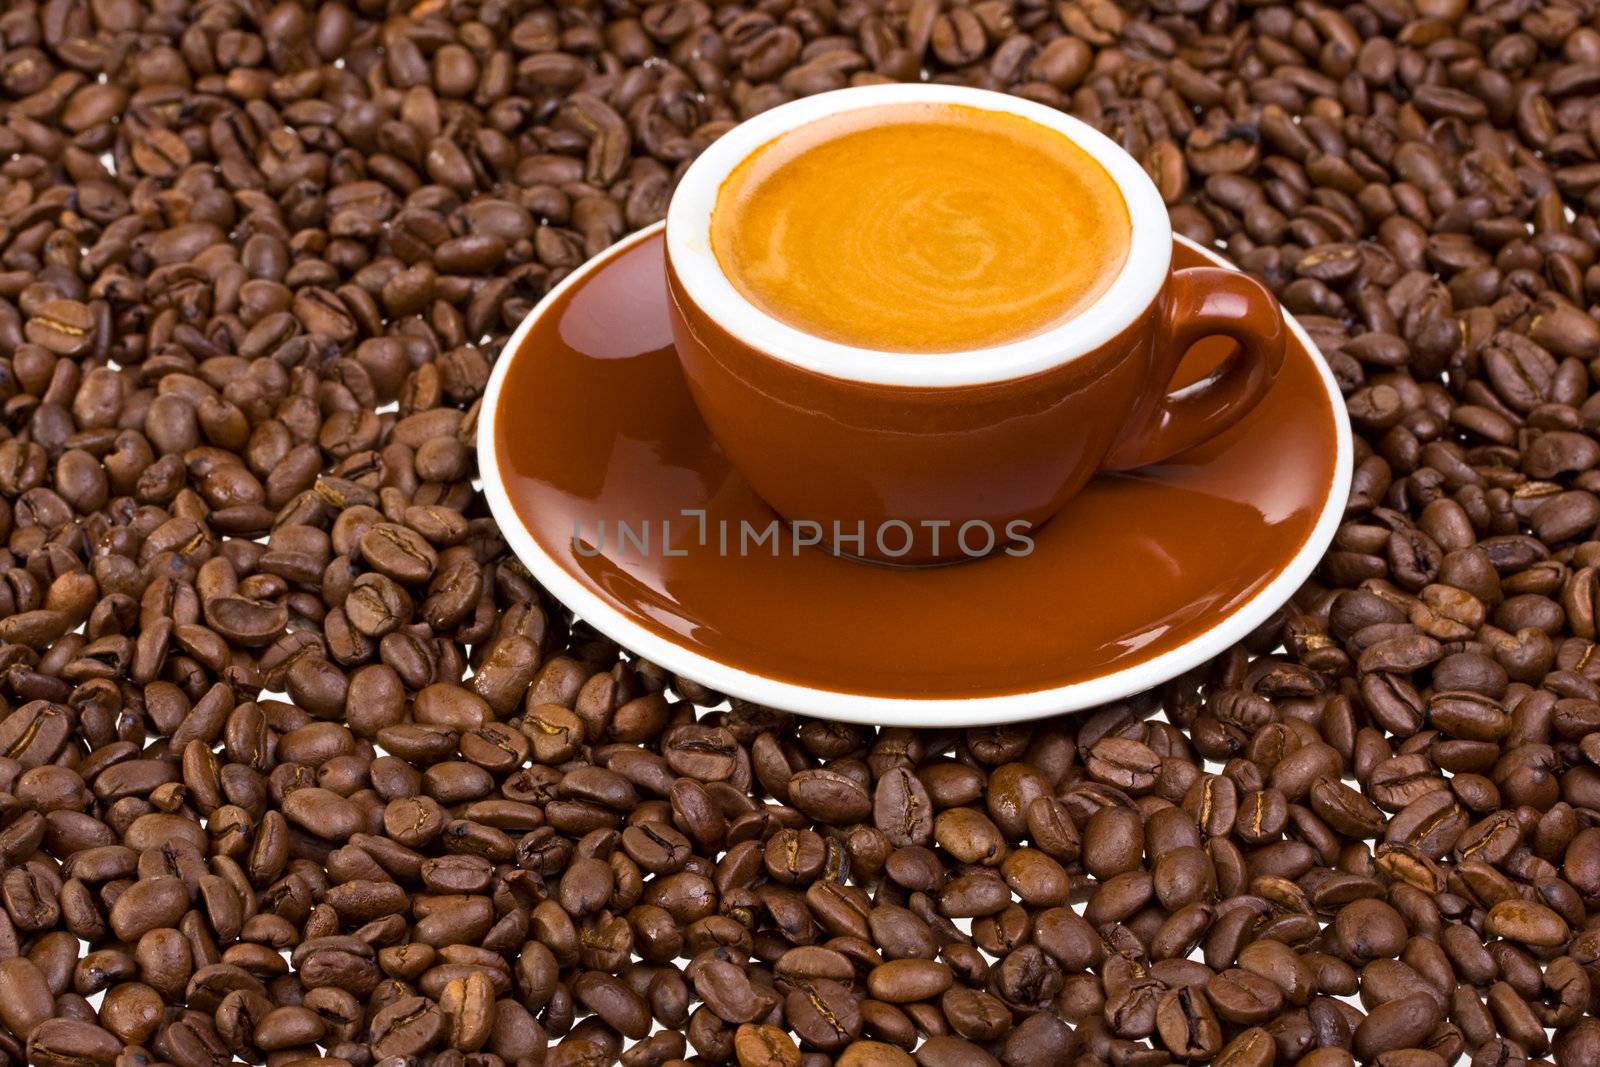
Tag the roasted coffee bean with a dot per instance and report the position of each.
(1243, 997)
(1252, 1048)
(901, 981)
(407, 1027)
(71, 1043)
(1187, 1025)
(975, 1014)
(765, 1046)
(728, 992)
(25, 996)
(902, 808)
(1396, 1024)
(825, 1013)
(1527, 923)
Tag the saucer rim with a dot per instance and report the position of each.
(845, 706)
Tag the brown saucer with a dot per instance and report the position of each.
(587, 422)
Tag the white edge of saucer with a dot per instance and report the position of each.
(897, 711)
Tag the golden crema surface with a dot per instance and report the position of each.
(921, 228)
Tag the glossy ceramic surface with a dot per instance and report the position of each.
(896, 446)
(588, 423)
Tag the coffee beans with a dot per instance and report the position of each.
(25, 997)
(271, 683)
(71, 1043)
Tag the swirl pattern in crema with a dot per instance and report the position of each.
(921, 228)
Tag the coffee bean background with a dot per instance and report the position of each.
(297, 764)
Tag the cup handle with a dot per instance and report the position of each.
(1202, 302)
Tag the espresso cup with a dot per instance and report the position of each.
(923, 457)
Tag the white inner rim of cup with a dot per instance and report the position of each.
(1135, 286)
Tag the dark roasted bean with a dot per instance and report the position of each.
(271, 683)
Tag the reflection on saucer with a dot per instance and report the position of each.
(593, 428)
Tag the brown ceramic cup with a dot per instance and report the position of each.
(916, 458)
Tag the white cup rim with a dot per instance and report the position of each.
(1135, 287)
